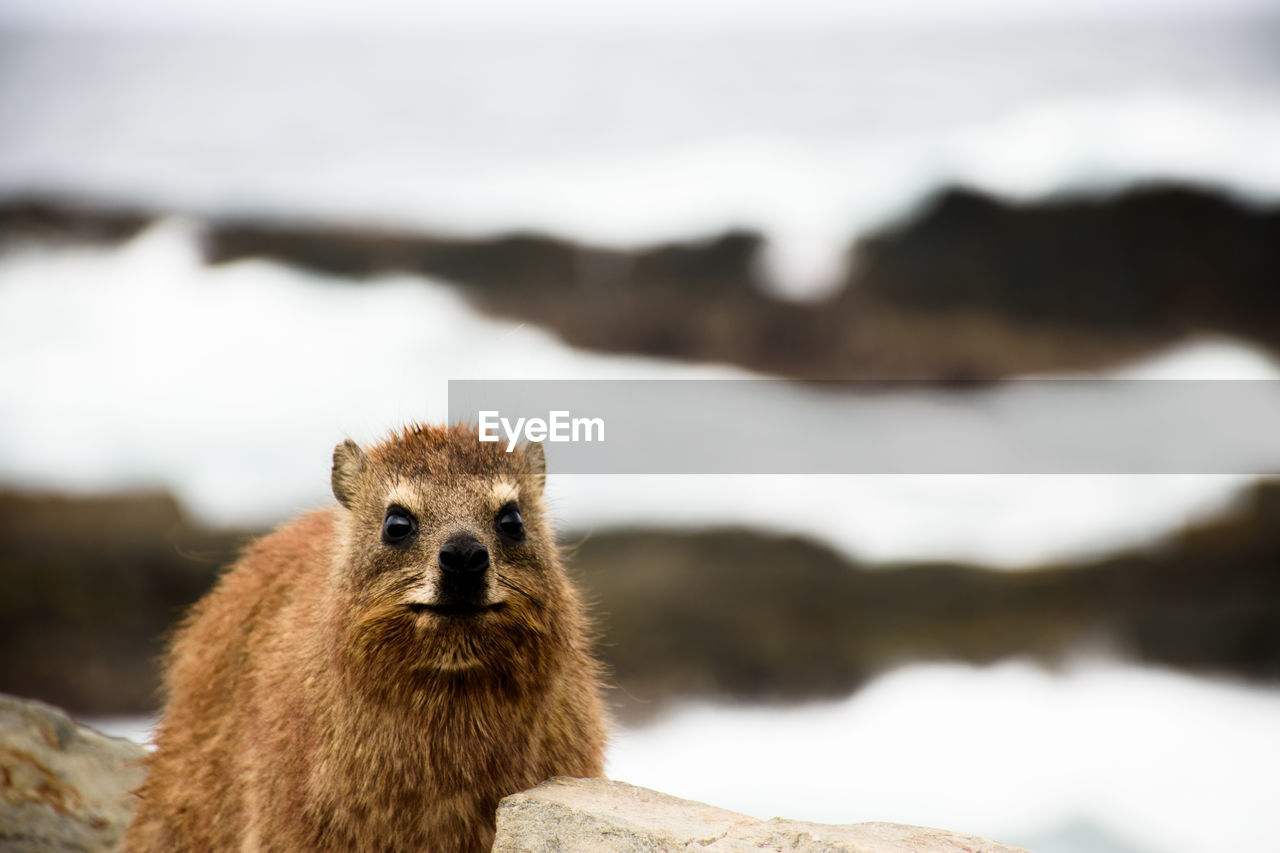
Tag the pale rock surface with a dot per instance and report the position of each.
(63, 787)
(599, 816)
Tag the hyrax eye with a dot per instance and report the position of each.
(509, 523)
(399, 527)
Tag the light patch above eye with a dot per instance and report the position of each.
(403, 496)
(505, 492)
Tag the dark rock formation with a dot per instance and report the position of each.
(697, 300)
(739, 615)
(90, 588)
(1165, 259)
(36, 220)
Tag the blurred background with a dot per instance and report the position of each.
(233, 233)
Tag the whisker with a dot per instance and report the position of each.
(514, 587)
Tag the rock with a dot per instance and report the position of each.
(85, 608)
(1161, 257)
(567, 815)
(63, 787)
(63, 220)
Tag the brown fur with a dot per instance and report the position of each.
(309, 708)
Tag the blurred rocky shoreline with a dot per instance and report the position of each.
(968, 286)
(90, 586)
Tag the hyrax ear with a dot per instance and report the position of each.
(348, 462)
(535, 461)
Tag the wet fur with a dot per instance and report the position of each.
(310, 709)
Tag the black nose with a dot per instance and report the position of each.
(464, 553)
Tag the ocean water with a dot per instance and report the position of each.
(812, 135)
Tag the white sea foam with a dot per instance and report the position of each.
(1132, 759)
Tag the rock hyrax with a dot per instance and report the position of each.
(377, 675)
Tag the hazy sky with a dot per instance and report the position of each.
(582, 15)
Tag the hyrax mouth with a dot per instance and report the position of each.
(457, 608)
